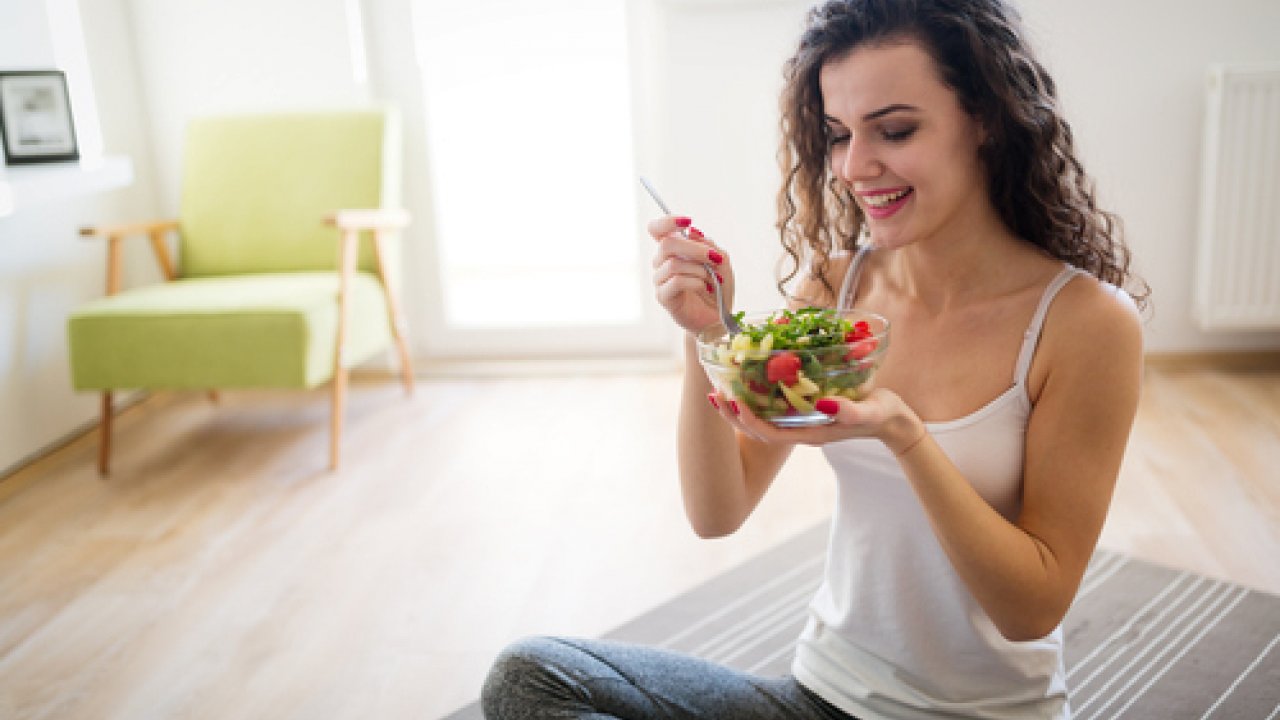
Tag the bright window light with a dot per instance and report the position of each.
(528, 108)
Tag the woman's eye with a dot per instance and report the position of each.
(837, 138)
(897, 134)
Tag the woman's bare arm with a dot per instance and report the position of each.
(1025, 573)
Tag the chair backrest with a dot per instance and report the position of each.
(255, 188)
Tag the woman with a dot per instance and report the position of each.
(974, 480)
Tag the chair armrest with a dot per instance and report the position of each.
(155, 229)
(142, 228)
(382, 219)
(350, 223)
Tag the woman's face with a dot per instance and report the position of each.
(902, 143)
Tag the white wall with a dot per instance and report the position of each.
(208, 57)
(25, 40)
(45, 269)
(1131, 75)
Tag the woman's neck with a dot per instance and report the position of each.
(973, 259)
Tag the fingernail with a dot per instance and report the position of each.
(683, 222)
(710, 288)
(695, 233)
(733, 405)
(715, 257)
(719, 278)
(827, 406)
(711, 397)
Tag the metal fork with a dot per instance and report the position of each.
(726, 315)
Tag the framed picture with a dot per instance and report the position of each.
(35, 117)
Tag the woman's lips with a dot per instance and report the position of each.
(885, 202)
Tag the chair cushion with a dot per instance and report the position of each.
(263, 330)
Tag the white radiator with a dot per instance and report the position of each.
(1238, 265)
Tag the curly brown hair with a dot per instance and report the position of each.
(1036, 183)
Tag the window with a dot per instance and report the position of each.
(529, 129)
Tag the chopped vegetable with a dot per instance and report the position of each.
(783, 368)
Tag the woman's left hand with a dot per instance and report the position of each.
(881, 414)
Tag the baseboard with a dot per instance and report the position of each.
(1259, 361)
(531, 367)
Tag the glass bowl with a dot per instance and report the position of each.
(783, 361)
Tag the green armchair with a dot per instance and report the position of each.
(273, 288)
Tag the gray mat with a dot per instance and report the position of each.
(1142, 641)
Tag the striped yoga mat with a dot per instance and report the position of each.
(1142, 642)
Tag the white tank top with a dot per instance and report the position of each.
(893, 631)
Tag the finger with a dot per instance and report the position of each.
(694, 250)
(847, 412)
(754, 425)
(716, 401)
(744, 421)
(702, 250)
(671, 290)
(729, 408)
(723, 404)
(667, 224)
(673, 266)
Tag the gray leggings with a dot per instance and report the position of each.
(597, 679)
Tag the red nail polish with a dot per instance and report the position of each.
(715, 257)
(733, 405)
(710, 289)
(719, 278)
(711, 397)
(683, 222)
(827, 406)
(695, 233)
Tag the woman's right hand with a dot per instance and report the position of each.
(679, 278)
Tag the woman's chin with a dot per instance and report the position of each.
(889, 240)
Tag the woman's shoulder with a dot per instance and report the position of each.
(818, 286)
(1090, 341)
(1091, 318)
(1088, 301)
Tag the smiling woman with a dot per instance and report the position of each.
(930, 175)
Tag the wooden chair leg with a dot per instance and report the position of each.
(104, 436)
(335, 420)
(406, 365)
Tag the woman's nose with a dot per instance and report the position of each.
(853, 162)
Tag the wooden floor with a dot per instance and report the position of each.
(222, 573)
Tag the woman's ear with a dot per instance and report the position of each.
(984, 133)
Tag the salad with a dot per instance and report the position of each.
(782, 363)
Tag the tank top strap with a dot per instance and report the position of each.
(1032, 336)
(849, 288)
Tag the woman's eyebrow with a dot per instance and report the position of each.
(896, 107)
(888, 109)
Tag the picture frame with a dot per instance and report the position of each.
(36, 124)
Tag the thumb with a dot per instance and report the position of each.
(849, 412)
(837, 407)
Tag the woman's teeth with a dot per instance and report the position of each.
(880, 201)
